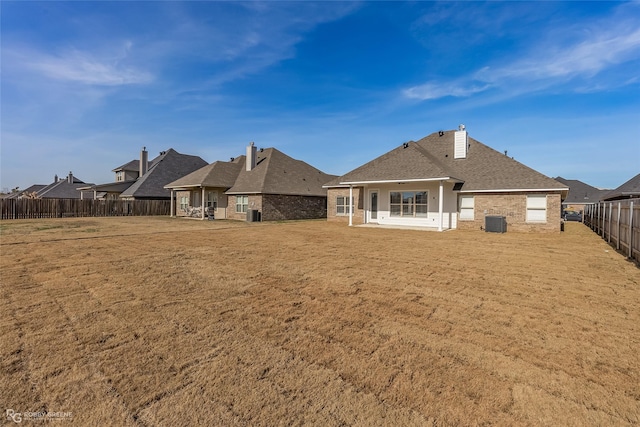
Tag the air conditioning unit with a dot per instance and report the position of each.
(495, 224)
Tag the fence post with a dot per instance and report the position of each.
(631, 230)
(610, 220)
(618, 232)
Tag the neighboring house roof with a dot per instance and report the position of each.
(277, 173)
(167, 167)
(274, 173)
(432, 158)
(217, 174)
(581, 193)
(32, 189)
(114, 187)
(133, 165)
(628, 190)
(64, 188)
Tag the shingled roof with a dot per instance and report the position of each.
(432, 158)
(274, 173)
(581, 193)
(167, 167)
(628, 190)
(277, 173)
(64, 188)
(217, 174)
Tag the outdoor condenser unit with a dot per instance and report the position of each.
(495, 224)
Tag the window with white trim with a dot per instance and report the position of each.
(466, 207)
(242, 204)
(342, 205)
(536, 208)
(184, 203)
(409, 204)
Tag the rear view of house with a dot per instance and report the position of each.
(264, 184)
(444, 181)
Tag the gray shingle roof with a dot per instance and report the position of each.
(277, 173)
(166, 168)
(32, 189)
(217, 174)
(581, 193)
(629, 189)
(432, 157)
(63, 189)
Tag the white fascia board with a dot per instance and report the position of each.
(183, 187)
(515, 190)
(396, 181)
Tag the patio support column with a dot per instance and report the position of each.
(350, 205)
(202, 205)
(441, 205)
(171, 202)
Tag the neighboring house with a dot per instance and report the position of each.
(628, 190)
(266, 181)
(60, 188)
(144, 179)
(30, 192)
(580, 194)
(444, 181)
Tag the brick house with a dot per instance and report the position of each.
(446, 180)
(145, 179)
(266, 181)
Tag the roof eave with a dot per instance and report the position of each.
(398, 181)
(513, 190)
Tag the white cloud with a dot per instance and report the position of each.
(554, 60)
(435, 91)
(82, 67)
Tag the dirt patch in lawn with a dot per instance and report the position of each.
(157, 321)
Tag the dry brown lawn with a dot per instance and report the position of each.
(169, 322)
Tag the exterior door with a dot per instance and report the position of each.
(373, 206)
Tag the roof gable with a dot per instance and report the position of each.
(627, 190)
(432, 157)
(277, 173)
(167, 167)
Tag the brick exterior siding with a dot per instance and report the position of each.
(513, 206)
(358, 208)
(279, 207)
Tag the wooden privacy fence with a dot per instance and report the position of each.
(60, 208)
(618, 223)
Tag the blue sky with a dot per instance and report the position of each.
(85, 85)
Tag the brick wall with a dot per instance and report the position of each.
(358, 211)
(513, 206)
(277, 207)
(255, 203)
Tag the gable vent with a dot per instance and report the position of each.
(460, 143)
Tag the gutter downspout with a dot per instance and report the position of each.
(441, 205)
(350, 205)
(171, 202)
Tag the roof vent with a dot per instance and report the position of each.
(461, 143)
(405, 145)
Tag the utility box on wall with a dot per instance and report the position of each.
(495, 224)
(254, 215)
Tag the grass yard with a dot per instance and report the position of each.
(169, 322)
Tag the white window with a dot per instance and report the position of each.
(120, 176)
(466, 207)
(242, 204)
(184, 203)
(342, 205)
(537, 208)
(409, 203)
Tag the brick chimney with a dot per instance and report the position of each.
(251, 157)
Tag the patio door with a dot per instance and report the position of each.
(373, 205)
